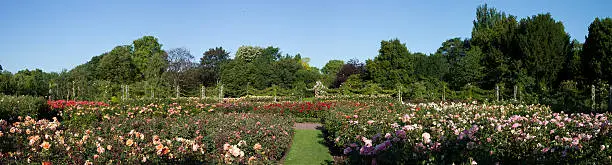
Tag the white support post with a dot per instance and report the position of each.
(444, 92)
(497, 92)
(399, 93)
(593, 97)
(73, 92)
(515, 88)
(177, 91)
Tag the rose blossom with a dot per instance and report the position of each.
(257, 146)
(426, 137)
(129, 142)
(45, 145)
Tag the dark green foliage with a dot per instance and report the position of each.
(332, 67)
(11, 107)
(353, 67)
(30, 82)
(543, 45)
(261, 73)
(146, 56)
(572, 70)
(494, 33)
(6, 84)
(392, 66)
(453, 50)
(211, 63)
(330, 70)
(430, 67)
(466, 70)
(569, 98)
(533, 55)
(117, 66)
(597, 51)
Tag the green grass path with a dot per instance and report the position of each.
(307, 148)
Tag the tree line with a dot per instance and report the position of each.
(530, 59)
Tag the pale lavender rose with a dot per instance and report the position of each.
(515, 125)
(347, 150)
(400, 133)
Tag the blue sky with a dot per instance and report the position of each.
(53, 35)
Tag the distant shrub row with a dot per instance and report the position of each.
(11, 107)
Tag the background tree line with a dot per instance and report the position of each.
(531, 58)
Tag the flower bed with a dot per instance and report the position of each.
(296, 109)
(213, 138)
(11, 107)
(61, 104)
(446, 133)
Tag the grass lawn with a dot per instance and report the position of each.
(307, 148)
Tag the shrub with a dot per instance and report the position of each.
(11, 107)
(215, 138)
(447, 133)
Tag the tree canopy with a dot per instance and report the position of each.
(531, 58)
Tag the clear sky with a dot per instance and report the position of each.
(53, 35)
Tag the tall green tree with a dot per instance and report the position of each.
(332, 67)
(235, 76)
(148, 56)
(392, 66)
(427, 67)
(211, 62)
(248, 53)
(495, 33)
(572, 70)
(270, 53)
(81, 77)
(6, 86)
(30, 82)
(283, 72)
(156, 67)
(330, 70)
(544, 44)
(453, 50)
(597, 51)
(467, 70)
(117, 66)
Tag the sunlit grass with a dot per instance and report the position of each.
(308, 148)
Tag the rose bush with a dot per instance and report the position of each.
(127, 135)
(446, 133)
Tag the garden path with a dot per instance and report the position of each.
(309, 126)
(308, 146)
